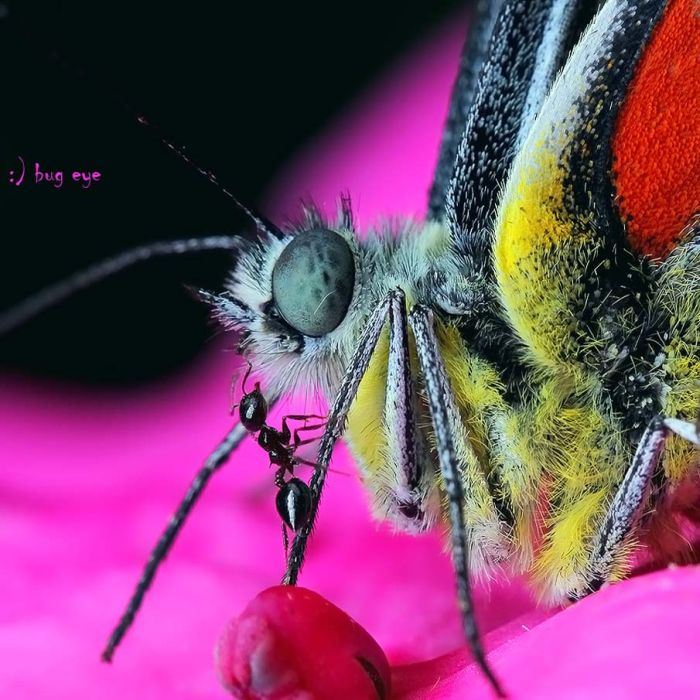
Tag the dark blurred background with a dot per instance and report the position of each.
(243, 86)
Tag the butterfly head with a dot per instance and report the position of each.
(292, 300)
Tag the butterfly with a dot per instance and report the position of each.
(523, 364)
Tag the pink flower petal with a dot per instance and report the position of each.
(636, 639)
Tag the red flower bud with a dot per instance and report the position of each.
(292, 644)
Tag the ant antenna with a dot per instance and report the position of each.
(234, 382)
(247, 374)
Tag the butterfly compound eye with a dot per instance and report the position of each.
(313, 281)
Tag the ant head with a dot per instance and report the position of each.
(253, 410)
(294, 504)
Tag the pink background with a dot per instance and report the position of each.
(88, 481)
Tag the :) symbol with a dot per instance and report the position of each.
(14, 180)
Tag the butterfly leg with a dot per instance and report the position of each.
(406, 499)
(632, 495)
(215, 460)
(337, 418)
(444, 421)
(285, 540)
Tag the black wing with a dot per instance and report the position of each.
(473, 54)
(528, 42)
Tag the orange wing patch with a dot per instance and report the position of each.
(656, 144)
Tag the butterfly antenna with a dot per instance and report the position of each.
(262, 224)
(58, 292)
(55, 293)
(79, 72)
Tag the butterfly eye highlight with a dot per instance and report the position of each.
(313, 281)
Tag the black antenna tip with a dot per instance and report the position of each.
(493, 681)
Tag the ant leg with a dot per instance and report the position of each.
(287, 433)
(315, 465)
(305, 418)
(313, 426)
(298, 441)
(232, 396)
(334, 428)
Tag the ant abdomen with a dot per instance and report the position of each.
(294, 500)
(294, 504)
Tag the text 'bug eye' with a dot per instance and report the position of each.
(313, 281)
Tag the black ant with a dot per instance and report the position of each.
(294, 497)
